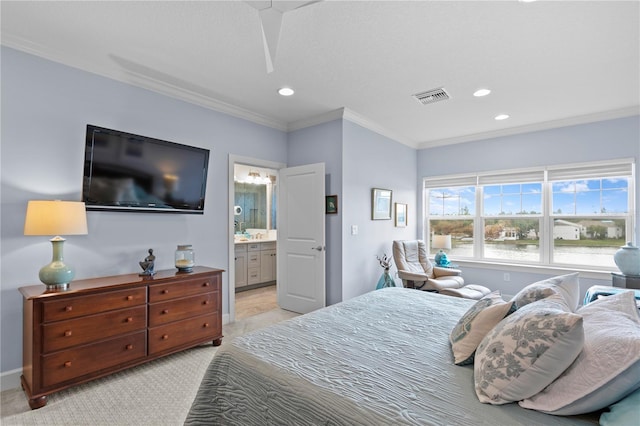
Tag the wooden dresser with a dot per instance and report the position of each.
(103, 325)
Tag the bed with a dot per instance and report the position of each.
(381, 358)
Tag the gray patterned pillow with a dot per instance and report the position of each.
(567, 285)
(475, 324)
(607, 369)
(527, 350)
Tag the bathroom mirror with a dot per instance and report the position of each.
(254, 198)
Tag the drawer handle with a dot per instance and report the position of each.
(129, 347)
(67, 364)
(130, 319)
(68, 308)
(206, 302)
(129, 297)
(165, 311)
(206, 284)
(67, 333)
(165, 291)
(165, 336)
(206, 324)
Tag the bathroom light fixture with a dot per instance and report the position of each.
(500, 117)
(286, 91)
(481, 92)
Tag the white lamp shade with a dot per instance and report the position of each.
(55, 218)
(441, 241)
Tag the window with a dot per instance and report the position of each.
(570, 215)
(451, 212)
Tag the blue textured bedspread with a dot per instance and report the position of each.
(382, 358)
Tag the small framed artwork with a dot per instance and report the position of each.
(401, 215)
(331, 204)
(380, 204)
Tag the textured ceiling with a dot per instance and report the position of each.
(548, 63)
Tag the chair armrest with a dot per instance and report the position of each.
(446, 272)
(412, 276)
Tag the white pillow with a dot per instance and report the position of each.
(527, 350)
(608, 368)
(475, 324)
(567, 285)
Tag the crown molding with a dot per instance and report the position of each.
(545, 125)
(131, 76)
(197, 98)
(374, 127)
(347, 114)
(318, 119)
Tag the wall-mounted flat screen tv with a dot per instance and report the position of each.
(127, 172)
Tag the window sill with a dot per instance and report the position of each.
(535, 269)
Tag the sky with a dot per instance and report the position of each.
(581, 197)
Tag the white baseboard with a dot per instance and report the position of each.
(10, 379)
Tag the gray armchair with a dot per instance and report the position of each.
(416, 271)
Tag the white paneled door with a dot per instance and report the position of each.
(301, 244)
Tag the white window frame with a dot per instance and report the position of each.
(546, 175)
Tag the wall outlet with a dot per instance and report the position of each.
(507, 277)
(354, 229)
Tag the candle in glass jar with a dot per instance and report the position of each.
(185, 258)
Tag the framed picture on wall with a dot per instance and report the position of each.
(331, 204)
(401, 215)
(380, 204)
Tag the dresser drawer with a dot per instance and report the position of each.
(179, 333)
(74, 307)
(162, 292)
(253, 247)
(178, 309)
(74, 363)
(64, 334)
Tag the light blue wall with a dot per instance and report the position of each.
(604, 140)
(357, 160)
(46, 106)
(45, 109)
(371, 161)
(323, 144)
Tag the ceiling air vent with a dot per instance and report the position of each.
(431, 96)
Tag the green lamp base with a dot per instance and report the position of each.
(57, 275)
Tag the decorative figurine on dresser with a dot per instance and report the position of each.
(99, 326)
(148, 264)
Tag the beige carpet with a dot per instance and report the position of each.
(157, 393)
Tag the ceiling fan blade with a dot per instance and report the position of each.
(271, 13)
(271, 21)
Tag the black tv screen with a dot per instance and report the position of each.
(128, 172)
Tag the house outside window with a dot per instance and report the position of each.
(570, 215)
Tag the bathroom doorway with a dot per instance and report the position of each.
(253, 267)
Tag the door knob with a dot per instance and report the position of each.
(319, 248)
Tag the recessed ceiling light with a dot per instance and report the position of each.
(501, 117)
(286, 91)
(481, 92)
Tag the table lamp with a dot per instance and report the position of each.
(441, 242)
(56, 218)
